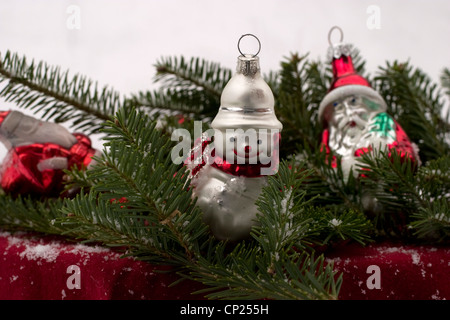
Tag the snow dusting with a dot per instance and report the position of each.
(49, 252)
(284, 201)
(40, 250)
(335, 222)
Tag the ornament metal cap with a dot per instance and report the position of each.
(346, 81)
(247, 100)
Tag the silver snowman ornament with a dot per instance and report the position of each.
(231, 164)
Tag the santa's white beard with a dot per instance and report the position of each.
(346, 140)
(345, 137)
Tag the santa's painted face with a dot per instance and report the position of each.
(246, 147)
(350, 115)
(350, 121)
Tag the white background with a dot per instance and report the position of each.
(119, 41)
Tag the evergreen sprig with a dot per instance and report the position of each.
(294, 277)
(137, 166)
(56, 94)
(417, 104)
(294, 98)
(188, 87)
(277, 262)
(445, 81)
(432, 219)
(196, 73)
(35, 215)
(407, 195)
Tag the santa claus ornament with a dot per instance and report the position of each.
(37, 153)
(354, 115)
(230, 165)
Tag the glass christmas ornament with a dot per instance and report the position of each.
(354, 115)
(230, 167)
(38, 152)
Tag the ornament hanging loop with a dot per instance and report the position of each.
(331, 32)
(251, 35)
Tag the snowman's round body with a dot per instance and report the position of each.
(227, 190)
(228, 202)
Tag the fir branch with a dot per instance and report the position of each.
(445, 81)
(359, 63)
(43, 88)
(319, 79)
(298, 277)
(433, 223)
(137, 166)
(294, 97)
(285, 206)
(417, 105)
(275, 265)
(328, 185)
(401, 189)
(91, 219)
(278, 267)
(282, 206)
(76, 179)
(433, 179)
(390, 176)
(29, 214)
(432, 220)
(347, 225)
(197, 73)
(172, 102)
(192, 88)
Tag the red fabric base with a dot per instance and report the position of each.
(36, 268)
(406, 272)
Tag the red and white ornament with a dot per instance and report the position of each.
(37, 153)
(229, 173)
(354, 115)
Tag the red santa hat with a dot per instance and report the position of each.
(346, 81)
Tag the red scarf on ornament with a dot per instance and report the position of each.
(245, 169)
